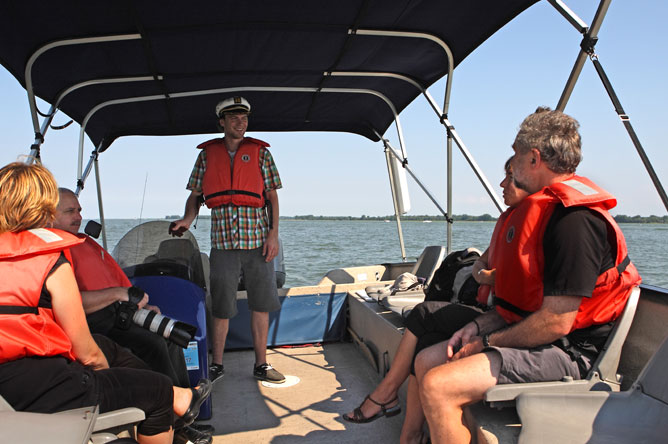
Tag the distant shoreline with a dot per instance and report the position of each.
(620, 218)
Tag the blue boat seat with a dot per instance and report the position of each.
(602, 376)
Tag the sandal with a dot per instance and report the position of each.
(359, 418)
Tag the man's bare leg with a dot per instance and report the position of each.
(447, 388)
(220, 329)
(399, 371)
(260, 332)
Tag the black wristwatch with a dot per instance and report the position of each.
(485, 340)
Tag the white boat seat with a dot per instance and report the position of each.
(425, 267)
(637, 415)
(67, 427)
(602, 376)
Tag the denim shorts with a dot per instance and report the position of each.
(259, 277)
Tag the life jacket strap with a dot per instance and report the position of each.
(510, 307)
(623, 264)
(232, 192)
(17, 310)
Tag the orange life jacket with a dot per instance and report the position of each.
(94, 268)
(485, 292)
(27, 324)
(240, 182)
(519, 275)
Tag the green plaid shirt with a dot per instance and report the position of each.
(238, 227)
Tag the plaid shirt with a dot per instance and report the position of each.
(238, 227)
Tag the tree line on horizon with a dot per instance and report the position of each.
(620, 218)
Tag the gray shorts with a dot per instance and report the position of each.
(259, 277)
(540, 364)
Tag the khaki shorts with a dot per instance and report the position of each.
(259, 277)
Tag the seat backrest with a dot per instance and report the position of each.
(652, 381)
(608, 359)
(428, 262)
(5, 406)
(603, 370)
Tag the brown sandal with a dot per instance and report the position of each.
(359, 418)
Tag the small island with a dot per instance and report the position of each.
(620, 218)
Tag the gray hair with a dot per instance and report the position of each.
(555, 135)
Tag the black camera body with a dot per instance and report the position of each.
(128, 313)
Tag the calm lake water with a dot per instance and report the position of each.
(311, 248)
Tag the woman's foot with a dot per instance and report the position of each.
(371, 409)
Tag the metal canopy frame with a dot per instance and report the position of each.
(589, 40)
(590, 37)
(83, 173)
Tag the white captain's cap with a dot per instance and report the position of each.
(232, 105)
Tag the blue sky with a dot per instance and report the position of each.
(522, 66)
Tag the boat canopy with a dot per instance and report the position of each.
(141, 67)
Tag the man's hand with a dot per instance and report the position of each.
(154, 308)
(460, 339)
(270, 247)
(178, 227)
(140, 304)
(473, 347)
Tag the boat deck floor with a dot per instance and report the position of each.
(333, 379)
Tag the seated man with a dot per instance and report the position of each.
(103, 285)
(562, 277)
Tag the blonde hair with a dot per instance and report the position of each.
(28, 197)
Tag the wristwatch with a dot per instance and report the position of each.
(485, 340)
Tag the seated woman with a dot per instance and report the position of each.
(48, 360)
(430, 323)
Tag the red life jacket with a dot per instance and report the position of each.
(240, 182)
(519, 276)
(27, 325)
(94, 268)
(485, 291)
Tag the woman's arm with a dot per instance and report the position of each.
(480, 272)
(69, 314)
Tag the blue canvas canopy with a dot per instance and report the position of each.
(158, 68)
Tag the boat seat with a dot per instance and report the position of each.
(637, 415)
(82, 425)
(175, 257)
(602, 376)
(424, 268)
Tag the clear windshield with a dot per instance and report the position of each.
(149, 249)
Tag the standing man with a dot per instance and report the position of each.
(236, 177)
(563, 276)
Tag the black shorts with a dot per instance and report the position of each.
(54, 384)
(435, 321)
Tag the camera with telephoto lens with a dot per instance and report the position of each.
(128, 312)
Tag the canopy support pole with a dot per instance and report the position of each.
(448, 217)
(100, 207)
(465, 152)
(587, 50)
(590, 37)
(395, 201)
(93, 164)
(626, 121)
(33, 58)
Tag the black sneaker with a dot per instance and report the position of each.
(216, 371)
(266, 372)
(190, 435)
